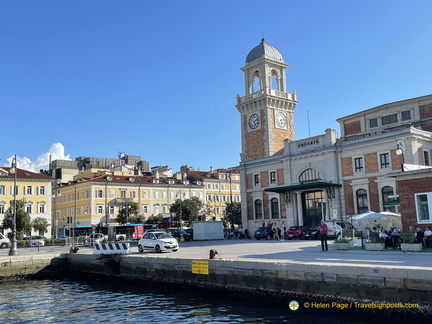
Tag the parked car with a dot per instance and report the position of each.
(311, 234)
(4, 242)
(157, 241)
(264, 233)
(335, 227)
(295, 231)
(179, 233)
(36, 240)
(189, 231)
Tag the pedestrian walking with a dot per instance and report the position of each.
(323, 235)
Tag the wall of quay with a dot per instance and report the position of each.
(280, 282)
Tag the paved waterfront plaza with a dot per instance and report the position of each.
(289, 251)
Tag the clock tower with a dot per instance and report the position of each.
(267, 108)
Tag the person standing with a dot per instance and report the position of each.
(323, 235)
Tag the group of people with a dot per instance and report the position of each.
(425, 238)
(390, 238)
(393, 239)
(278, 231)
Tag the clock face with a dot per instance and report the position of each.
(281, 120)
(254, 121)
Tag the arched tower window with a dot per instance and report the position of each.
(362, 201)
(258, 209)
(275, 80)
(274, 203)
(386, 192)
(309, 175)
(256, 85)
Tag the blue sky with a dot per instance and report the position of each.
(159, 78)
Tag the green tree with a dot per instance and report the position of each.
(128, 214)
(232, 214)
(188, 210)
(23, 224)
(40, 225)
(157, 219)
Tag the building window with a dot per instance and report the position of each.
(217, 210)
(389, 119)
(29, 190)
(216, 198)
(426, 157)
(208, 185)
(362, 203)
(16, 190)
(258, 209)
(422, 207)
(99, 209)
(216, 186)
(41, 208)
(145, 209)
(224, 198)
(386, 192)
(164, 195)
(122, 193)
(28, 208)
(309, 175)
(209, 197)
(41, 190)
(99, 194)
(385, 160)
(256, 179)
(112, 194)
(237, 198)
(406, 115)
(273, 177)
(111, 209)
(358, 164)
(2, 208)
(373, 122)
(2, 190)
(274, 208)
(133, 194)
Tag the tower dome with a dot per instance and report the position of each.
(266, 50)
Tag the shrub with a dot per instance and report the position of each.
(407, 237)
(343, 240)
(374, 237)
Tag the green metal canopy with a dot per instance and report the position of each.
(304, 186)
(394, 202)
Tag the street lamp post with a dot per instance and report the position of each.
(13, 169)
(231, 206)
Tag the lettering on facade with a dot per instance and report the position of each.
(311, 142)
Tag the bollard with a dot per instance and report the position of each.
(213, 253)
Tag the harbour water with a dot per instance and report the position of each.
(68, 301)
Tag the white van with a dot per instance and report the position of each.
(335, 227)
(4, 242)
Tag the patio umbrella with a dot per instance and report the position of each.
(372, 218)
(373, 215)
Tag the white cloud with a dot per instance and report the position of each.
(56, 152)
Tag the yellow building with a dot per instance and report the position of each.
(33, 188)
(95, 196)
(221, 186)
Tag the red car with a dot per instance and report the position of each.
(295, 232)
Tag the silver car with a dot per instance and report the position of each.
(157, 241)
(36, 240)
